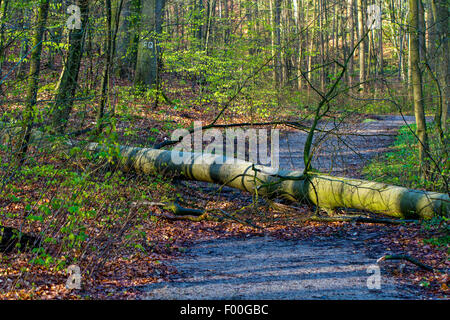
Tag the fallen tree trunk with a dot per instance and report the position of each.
(325, 191)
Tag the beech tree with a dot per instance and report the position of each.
(33, 80)
(68, 81)
(416, 77)
(149, 48)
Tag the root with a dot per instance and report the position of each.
(407, 258)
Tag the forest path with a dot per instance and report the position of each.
(269, 268)
(347, 154)
(265, 268)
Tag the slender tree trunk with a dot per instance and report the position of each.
(25, 16)
(299, 14)
(146, 64)
(417, 92)
(227, 32)
(351, 26)
(272, 41)
(441, 13)
(200, 23)
(410, 91)
(431, 33)
(68, 82)
(277, 25)
(211, 13)
(380, 42)
(33, 79)
(3, 15)
(123, 40)
(422, 31)
(322, 45)
(362, 48)
(311, 44)
(106, 68)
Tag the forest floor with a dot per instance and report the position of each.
(267, 252)
(334, 264)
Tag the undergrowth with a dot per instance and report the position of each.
(401, 166)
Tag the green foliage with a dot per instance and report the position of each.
(440, 228)
(401, 166)
(79, 203)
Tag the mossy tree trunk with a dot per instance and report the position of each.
(67, 84)
(106, 69)
(33, 79)
(124, 39)
(362, 48)
(440, 10)
(322, 190)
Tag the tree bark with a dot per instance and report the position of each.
(319, 189)
(416, 77)
(362, 47)
(3, 12)
(124, 40)
(33, 80)
(67, 85)
(441, 13)
(108, 57)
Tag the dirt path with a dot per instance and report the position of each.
(348, 153)
(267, 268)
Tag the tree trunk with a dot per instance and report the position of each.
(108, 57)
(441, 12)
(3, 12)
(11, 238)
(325, 191)
(416, 77)
(299, 13)
(33, 79)
(25, 16)
(67, 85)
(323, 54)
(361, 51)
(124, 40)
(422, 31)
(148, 49)
(380, 42)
